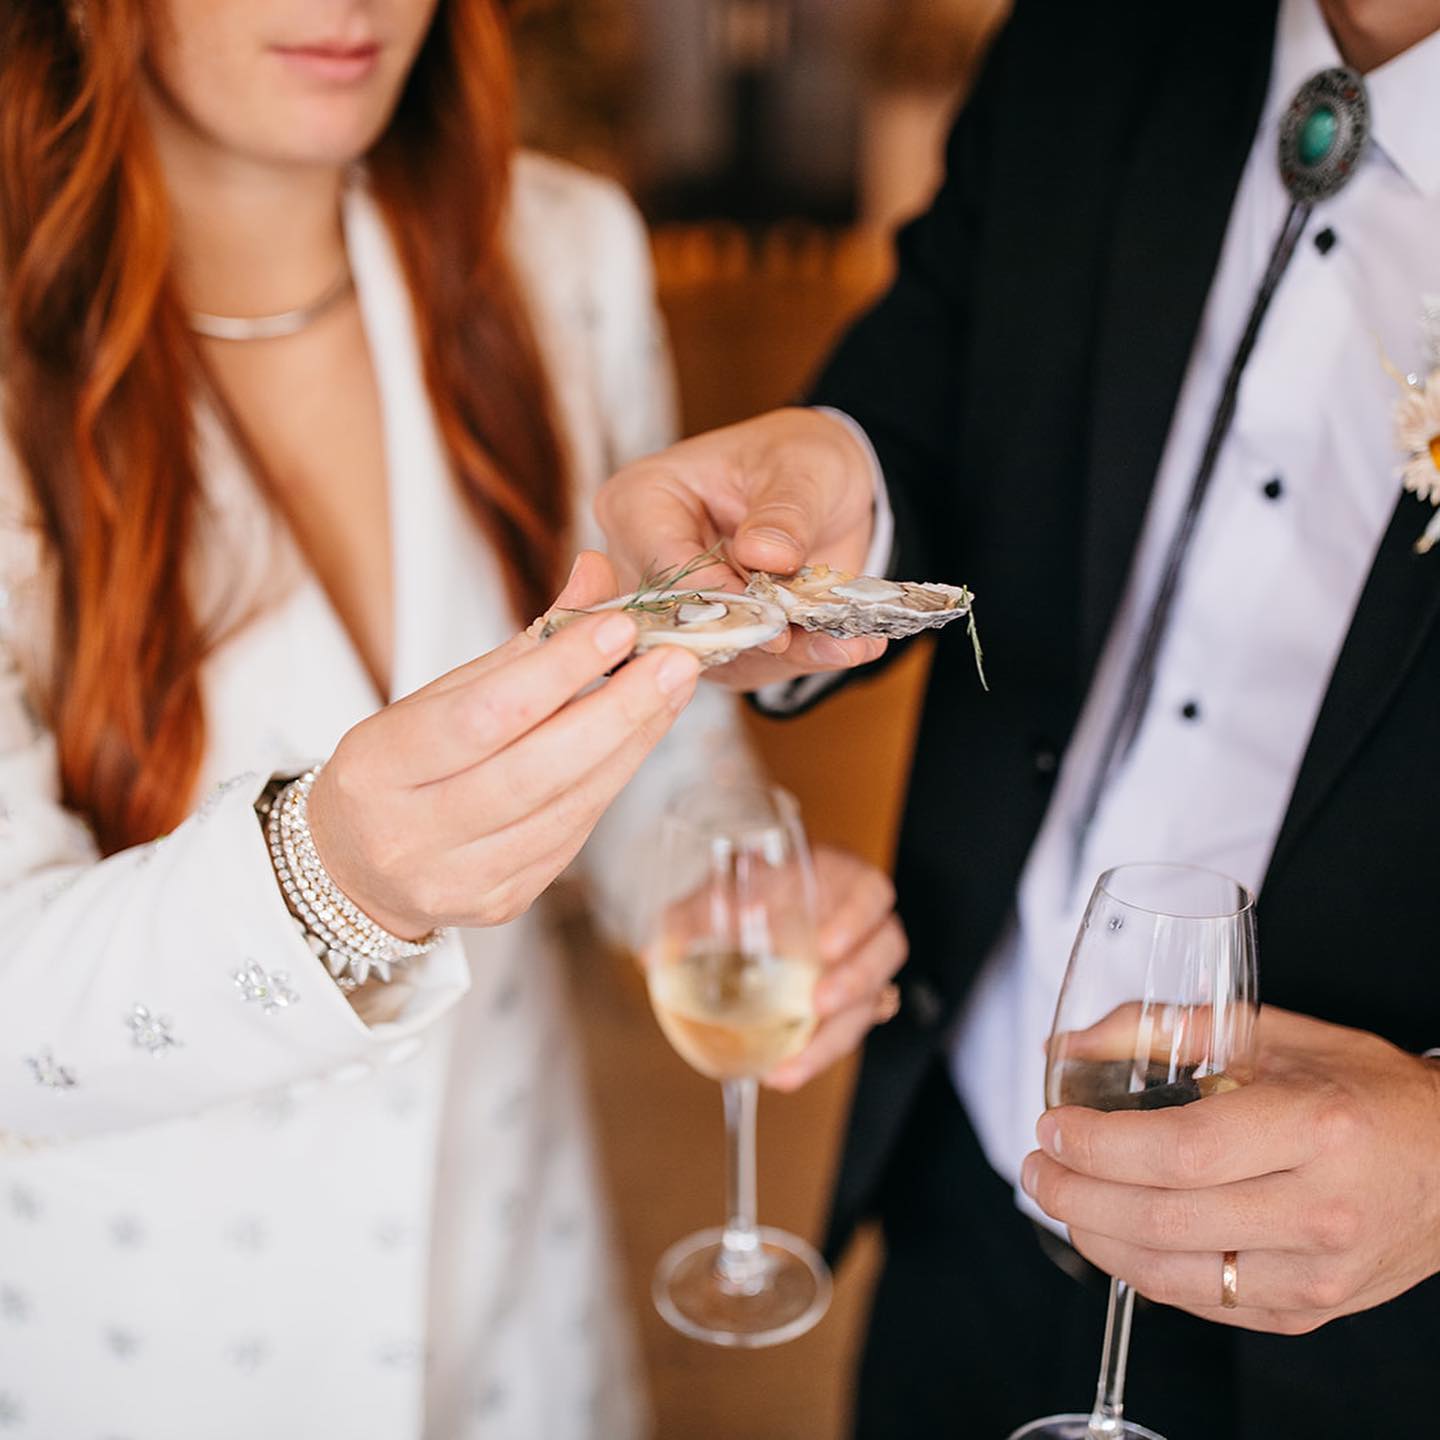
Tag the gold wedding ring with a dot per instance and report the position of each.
(887, 1004)
(1229, 1280)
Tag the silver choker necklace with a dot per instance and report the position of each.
(271, 327)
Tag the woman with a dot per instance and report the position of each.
(241, 1194)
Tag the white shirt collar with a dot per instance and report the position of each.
(1404, 92)
(1405, 98)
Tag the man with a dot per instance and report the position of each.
(1039, 386)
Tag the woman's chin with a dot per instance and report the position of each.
(325, 133)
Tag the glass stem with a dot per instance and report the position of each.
(1107, 1418)
(742, 1265)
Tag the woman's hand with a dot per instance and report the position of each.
(862, 946)
(459, 804)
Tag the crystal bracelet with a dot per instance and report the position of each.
(352, 945)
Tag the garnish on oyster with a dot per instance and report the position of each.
(837, 603)
(843, 605)
(715, 625)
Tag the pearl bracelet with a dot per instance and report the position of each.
(350, 943)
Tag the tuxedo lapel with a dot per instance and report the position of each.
(1192, 141)
(1400, 603)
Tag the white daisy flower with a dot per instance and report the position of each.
(1417, 429)
(1417, 425)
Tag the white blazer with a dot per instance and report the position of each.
(223, 1217)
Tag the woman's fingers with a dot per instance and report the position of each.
(592, 581)
(437, 735)
(850, 998)
(494, 878)
(856, 898)
(864, 973)
(548, 766)
(832, 1040)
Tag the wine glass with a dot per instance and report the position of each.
(731, 964)
(1157, 1009)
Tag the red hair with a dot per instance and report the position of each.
(99, 366)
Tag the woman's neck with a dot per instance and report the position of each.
(249, 238)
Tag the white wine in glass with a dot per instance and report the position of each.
(731, 964)
(1157, 1009)
(734, 1016)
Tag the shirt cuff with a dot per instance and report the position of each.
(788, 696)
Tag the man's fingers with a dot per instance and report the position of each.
(1255, 1130)
(804, 655)
(1272, 1322)
(439, 734)
(810, 489)
(1249, 1214)
(652, 521)
(1190, 1280)
(786, 514)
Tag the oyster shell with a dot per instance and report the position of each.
(715, 624)
(837, 603)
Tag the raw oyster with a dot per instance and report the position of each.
(837, 603)
(715, 624)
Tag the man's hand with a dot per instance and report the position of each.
(781, 491)
(1324, 1175)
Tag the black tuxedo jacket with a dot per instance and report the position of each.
(1018, 382)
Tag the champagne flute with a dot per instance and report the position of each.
(1157, 1009)
(731, 964)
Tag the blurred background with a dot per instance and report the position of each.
(773, 145)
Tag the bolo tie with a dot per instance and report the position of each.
(1323, 134)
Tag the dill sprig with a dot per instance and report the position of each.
(974, 635)
(655, 584)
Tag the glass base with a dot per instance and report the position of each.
(788, 1298)
(1077, 1427)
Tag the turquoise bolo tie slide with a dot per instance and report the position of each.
(1323, 134)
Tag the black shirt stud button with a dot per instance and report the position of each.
(1326, 240)
(1273, 488)
(1191, 710)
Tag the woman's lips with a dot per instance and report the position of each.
(338, 64)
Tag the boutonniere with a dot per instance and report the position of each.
(1417, 426)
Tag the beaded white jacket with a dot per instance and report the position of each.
(228, 1208)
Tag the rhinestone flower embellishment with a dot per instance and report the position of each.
(46, 1070)
(151, 1032)
(269, 992)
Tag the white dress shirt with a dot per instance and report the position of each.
(1304, 489)
(227, 1218)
